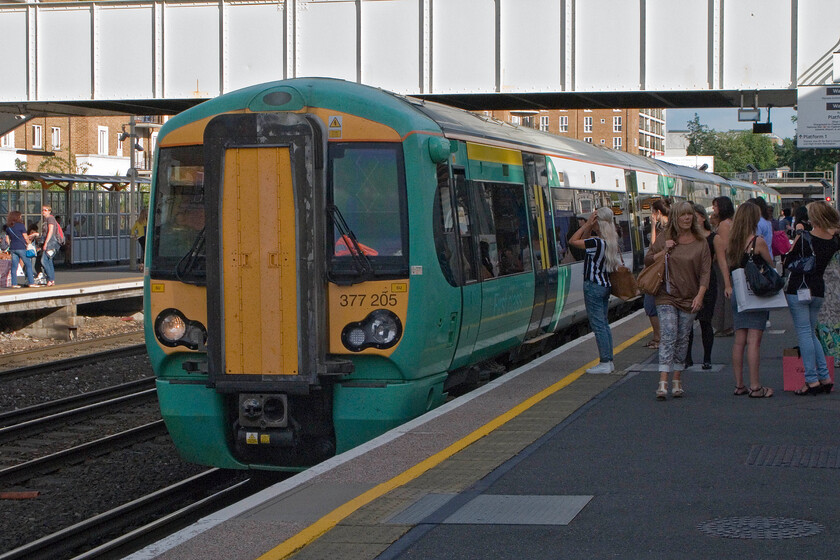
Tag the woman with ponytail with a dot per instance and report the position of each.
(600, 240)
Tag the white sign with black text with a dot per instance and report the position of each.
(818, 117)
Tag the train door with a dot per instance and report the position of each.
(544, 257)
(636, 231)
(470, 287)
(264, 185)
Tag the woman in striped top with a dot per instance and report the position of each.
(600, 239)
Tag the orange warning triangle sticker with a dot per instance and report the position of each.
(335, 123)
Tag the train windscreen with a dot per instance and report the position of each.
(178, 243)
(367, 207)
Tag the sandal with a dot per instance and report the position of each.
(741, 390)
(677, 390)
(653, 345)
(761, 393)
(662, 392)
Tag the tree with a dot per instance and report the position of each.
(58, 164)
(810, 159)
(733, 150)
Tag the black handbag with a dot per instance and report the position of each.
(761, 277)
(803, 264)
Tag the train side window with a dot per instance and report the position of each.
(566, 223)
(446, 240)
(502, 223)
(465, 229)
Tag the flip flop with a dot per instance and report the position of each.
(652, 345)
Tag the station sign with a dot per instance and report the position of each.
(818, 116)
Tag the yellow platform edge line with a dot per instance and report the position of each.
(324, 524)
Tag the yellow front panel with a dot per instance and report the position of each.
(259, 272)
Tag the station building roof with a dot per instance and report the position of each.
(66, 181)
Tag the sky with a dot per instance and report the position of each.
(723, 120)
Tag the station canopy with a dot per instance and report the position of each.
(65, 181)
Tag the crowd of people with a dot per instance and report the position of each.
(701, 253)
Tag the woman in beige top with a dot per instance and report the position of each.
(681, 295)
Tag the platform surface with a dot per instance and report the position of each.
(550, 462)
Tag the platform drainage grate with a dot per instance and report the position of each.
(808, 456)
(760, 528)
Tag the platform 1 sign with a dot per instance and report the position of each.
(818, 117)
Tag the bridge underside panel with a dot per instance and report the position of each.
(546, 53)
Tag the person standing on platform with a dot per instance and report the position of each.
(704, 316)
(687, 273)
(800, 222)
(805, 293)
(51, 244)
(18, 239)
(749, 325)
(601, 258)
(138, 232)
(659, 214)
(724, 210)
(765, 226)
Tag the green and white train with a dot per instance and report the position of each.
(328, 260)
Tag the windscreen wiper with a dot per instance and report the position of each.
(360, 260)
(189, 262)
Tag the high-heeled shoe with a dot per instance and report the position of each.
(662, 392)
(808, 390)
(676, 389)
(826, 387)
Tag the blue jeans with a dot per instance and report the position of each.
(596, 298)
(47, 263)
(804, 316)
(20, 255)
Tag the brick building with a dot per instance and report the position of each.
(638, 131)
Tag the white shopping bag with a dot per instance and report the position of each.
(748, 301)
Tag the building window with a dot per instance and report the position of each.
(587, 124)
(616, 124)
(56, 138)
(8, 140)
(119, 148)
(587, 139)
(544, 123)
(514, 120)
(564, 124)
(617, 142)
(37, 136)
(103, 141)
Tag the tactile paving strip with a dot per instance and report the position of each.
(760, 528)
(809, 456)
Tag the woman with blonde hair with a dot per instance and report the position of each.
(749, 325)
(600, 239)
(680, 297)
(806, 291)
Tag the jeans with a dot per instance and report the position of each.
(20, 255)
(674, 327)
(596, 298)
(47, 263)
(804, 314)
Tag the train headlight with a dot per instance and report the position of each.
(173, 329)
(381, 329)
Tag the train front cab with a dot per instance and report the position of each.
(279, 272)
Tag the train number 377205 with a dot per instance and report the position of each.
(374, 300)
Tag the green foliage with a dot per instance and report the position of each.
(810, 159)
(734, 150)
(58, 164)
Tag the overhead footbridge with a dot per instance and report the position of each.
(162, 56)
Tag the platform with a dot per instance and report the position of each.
(51, 309)
(551, 462)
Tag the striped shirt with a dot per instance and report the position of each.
(593, 264)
